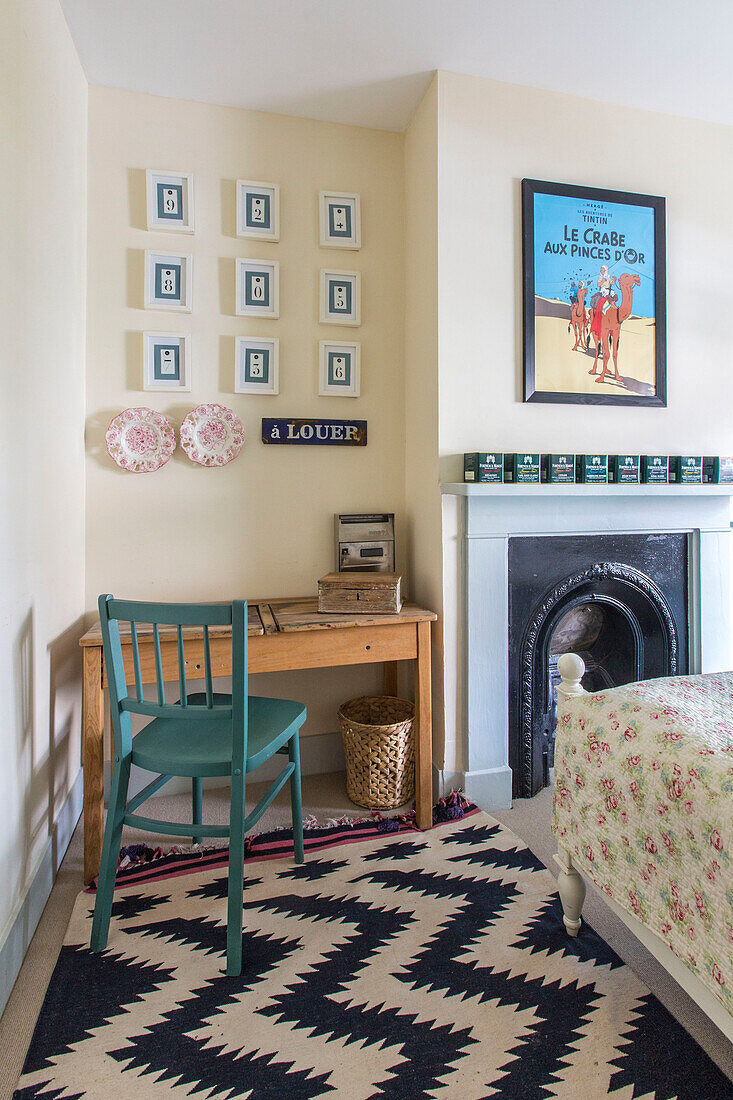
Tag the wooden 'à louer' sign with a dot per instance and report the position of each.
(306, 431)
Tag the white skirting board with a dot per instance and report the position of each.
(30, 909)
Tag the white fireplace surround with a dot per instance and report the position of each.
(489, 515)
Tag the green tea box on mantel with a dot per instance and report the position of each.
(655, 469)
(483, 466)
(558, 469)
(593, 469)
(718, 471)
(625, 469)
(686, 469)
(525, 469)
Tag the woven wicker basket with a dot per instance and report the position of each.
(380, 751)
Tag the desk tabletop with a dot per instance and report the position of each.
(280, 616)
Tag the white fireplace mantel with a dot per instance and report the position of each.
(492, 514)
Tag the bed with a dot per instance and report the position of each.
(642, 807)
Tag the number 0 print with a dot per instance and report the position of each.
(257, 290)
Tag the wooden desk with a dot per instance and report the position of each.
(283, 635)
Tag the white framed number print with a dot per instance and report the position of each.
(258, 210)
(258, 288)
(339, 369)
(340, 219)
(257, 367)
(168, 280)
(340, 297)
(170, 200)
(166, 361)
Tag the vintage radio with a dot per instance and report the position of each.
(625, 469)
(593, 469)
(655, 469)
(558, 469)
(365, 542)
(483, 466)
(360, 593)
(685, 469)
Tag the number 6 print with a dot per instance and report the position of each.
(339, 369)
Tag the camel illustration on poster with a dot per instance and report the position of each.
(594, 295)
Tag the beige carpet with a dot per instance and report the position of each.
(325, 797)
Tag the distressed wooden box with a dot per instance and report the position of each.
(360, 593)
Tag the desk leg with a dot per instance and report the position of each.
(93, 742)
(424, 742)
(389, 677)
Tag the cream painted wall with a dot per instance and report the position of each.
(422, 488)
(42, 318)
(264, 524)
(492, 135)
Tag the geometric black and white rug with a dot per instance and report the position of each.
(404, 966)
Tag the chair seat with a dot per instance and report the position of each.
(186, 746)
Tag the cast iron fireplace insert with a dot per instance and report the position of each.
(621, 601)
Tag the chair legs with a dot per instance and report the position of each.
(197, 795)
(296, 802)
(236, 876)
(110, 854)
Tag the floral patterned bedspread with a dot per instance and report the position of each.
(644, 802)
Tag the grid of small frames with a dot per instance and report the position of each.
(169, 285)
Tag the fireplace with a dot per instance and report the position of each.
(620, 601)
(643, 571)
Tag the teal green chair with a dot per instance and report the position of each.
(200, 735)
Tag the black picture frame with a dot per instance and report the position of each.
(631, 391)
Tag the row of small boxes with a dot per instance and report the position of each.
(495, 467)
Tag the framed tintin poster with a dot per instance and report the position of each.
(594, 296)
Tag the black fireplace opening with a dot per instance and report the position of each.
(619, 601)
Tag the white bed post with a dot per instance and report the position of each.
(570, 884)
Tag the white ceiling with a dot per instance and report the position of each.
(368, 62)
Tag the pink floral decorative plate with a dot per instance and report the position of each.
(140, 440)
(212, 435)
